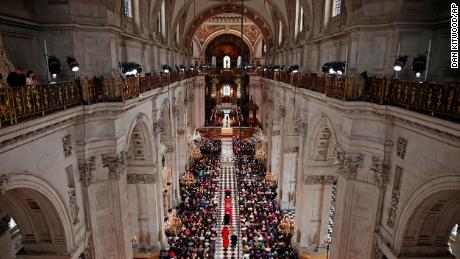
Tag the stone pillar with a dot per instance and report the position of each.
(86, 169)
(198, 105)
(6, 244)
(159, 195)
(146, 189)
(116, 165)
(312, 210)
(357, 205)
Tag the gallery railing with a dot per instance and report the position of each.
(435, 99)
(21, 103)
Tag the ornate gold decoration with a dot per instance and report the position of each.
(196, 154)
(270, 179)
(260, 154)
(188, 178)
(287, 226)
(173, 225)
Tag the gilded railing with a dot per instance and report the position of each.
(22, 103)
(440, 100)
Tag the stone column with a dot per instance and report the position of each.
(86, 169)
(116, 165)
(6, 244)
(146, 189)
(159, 194)
(357, 205)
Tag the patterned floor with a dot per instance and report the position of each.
(227, 180)
(289, 213)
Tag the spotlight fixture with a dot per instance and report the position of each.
(399, 63)
(293, 69)
(419, 65)
(130, 68)
(166, 69)
(339, 67)
(54, 66)
(73, 64)
(326, 67)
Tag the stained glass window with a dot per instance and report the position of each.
(226, 91)
(127, 8)
(337, 7)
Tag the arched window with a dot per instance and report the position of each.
(161, 19)
(336, 7)
(298, 26)
(128, 8)
(226, 90)
(280, 35)
(238, 61)
(227, 62)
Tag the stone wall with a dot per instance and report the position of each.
(396, 173)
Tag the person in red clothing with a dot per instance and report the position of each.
(228, 202)
(228, 210)
(225, 233)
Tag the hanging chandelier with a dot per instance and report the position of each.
(260, 154)
(173, 225)
(196, 154)
(286, 226)
(188, 178)
(270, 179)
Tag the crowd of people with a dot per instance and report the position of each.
(198, 207)
(260, 214)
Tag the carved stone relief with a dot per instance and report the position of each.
(319, 179)
(381, 170)
(67, 145)
(393, 208)
(87, 168)
(141, 178)
(401, 147)
(74, 208)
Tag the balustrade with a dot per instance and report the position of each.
(440, 100)
(22, 103)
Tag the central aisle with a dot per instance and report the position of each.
(228, 181)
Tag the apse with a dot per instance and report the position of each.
(227, 45)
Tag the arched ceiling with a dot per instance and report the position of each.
(264, 13)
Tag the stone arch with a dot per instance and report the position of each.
(142, 179)
(423, 230)
(216, 34)
(40, 213)
(140, 139)
(249, 13)
(293, 120)
(322, 140)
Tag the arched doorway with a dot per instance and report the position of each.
(143, 188)
(427, 221)
(40, 230)
(227, 45)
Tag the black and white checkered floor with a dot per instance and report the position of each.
(227, 180)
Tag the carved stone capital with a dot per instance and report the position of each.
(115, 164)
(86, 168)
(157, 128)
(319, 179)
(348, 163)
(381, 170)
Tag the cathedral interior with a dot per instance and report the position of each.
(315, 129)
